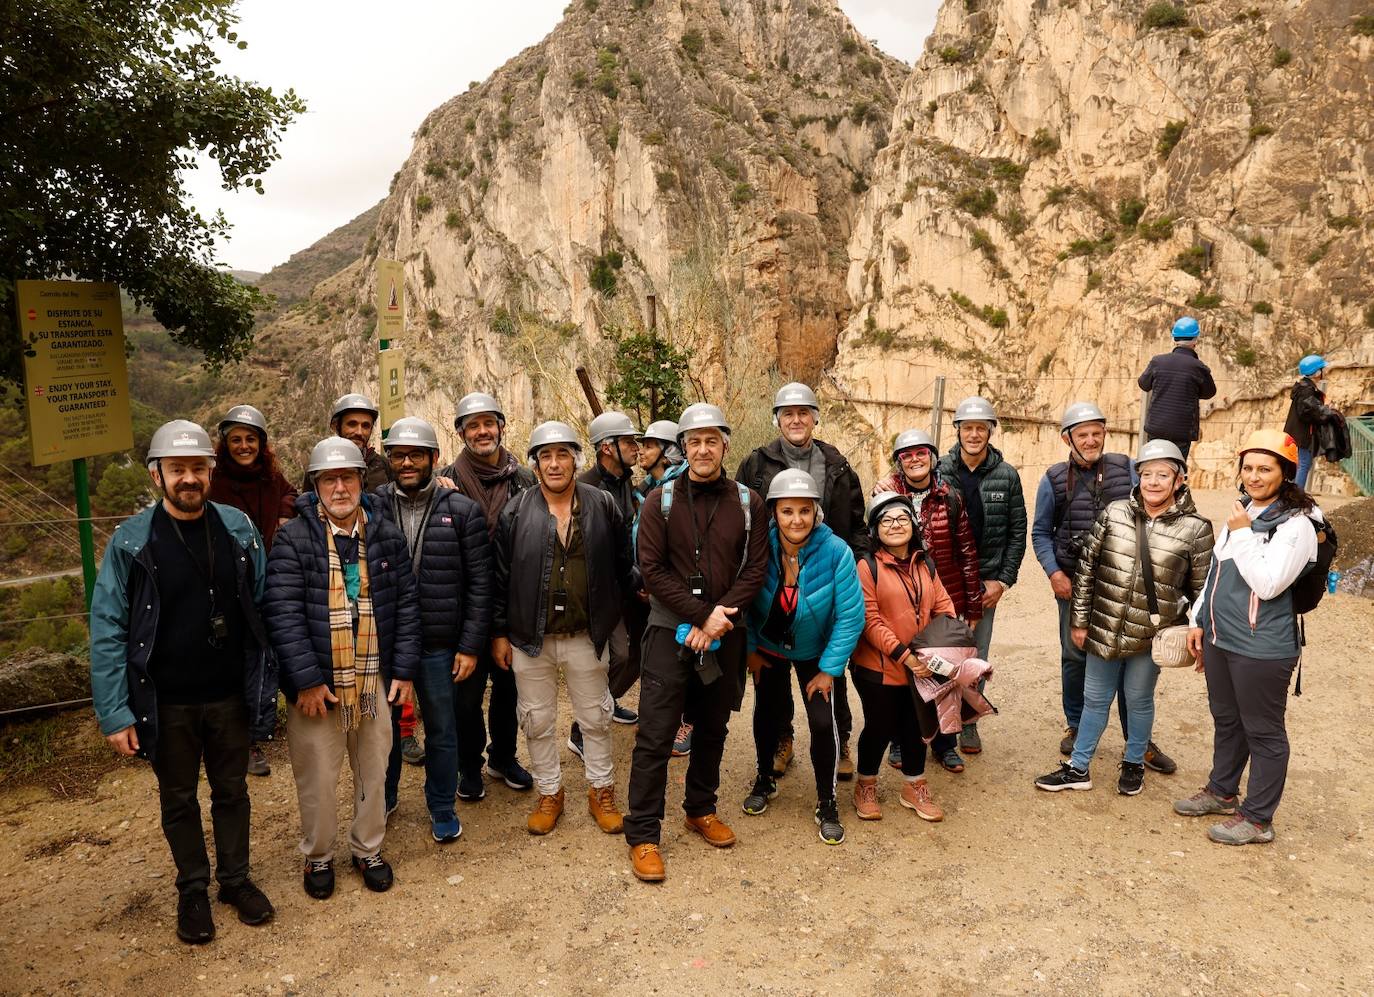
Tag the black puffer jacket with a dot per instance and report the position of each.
(843, 495)
(524, 549)
(1003, 544)
(296, 606)
(454, 571)
(1175, 381)
(1307, 410)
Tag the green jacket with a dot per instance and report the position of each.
(1003, 543)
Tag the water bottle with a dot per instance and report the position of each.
(1332, 578)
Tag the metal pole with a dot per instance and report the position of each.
(83, 525)
(382, 345)
(937, 411)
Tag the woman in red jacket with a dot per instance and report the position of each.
(947, 537)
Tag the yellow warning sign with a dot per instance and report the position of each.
(76, 384)
(391, 299)
(393, 386)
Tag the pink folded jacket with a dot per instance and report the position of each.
(957, 699)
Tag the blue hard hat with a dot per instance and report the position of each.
(1186, 328)
(1310, 364)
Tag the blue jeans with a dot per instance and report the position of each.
(982, 633)
(1305, 458)
(434, 688)
(1135, 677)
(1072, 664)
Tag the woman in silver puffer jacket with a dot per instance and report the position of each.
(1111, 614)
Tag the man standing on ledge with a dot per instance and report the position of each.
(703, 552)
(1176, 382)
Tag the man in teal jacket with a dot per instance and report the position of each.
(180, 671)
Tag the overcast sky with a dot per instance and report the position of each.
(370, 73)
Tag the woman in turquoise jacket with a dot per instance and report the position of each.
(808, 616)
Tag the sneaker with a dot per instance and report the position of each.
(844, 765)
(1064, 777)
(1132, 779)
(471, 788)
(257, 761)
(412, 750)
(894, 757)
(1066, 742)
(682, 744)
(950, 760)
(866, 798)
(828, 820)
(1205, 802)
(251, 903)
(969, 741)
(512, 773)
(376, 873)
(764, 790)
(1241, 831)
(445, 827)
(575, 741)
(195, 924)
(1158, 761)
(319, 879)
(546, 813)
(916, 796)
(624, 715)
(601, 805)
(782, 757)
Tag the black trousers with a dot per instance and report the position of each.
(216, 733)
(472, 731)
(1248, 698)
(624, 666)
(889, 717)
(844, 717)
(667, 688)
(772, 694)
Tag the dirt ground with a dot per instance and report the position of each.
(1015, 892)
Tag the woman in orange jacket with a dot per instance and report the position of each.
(901, 593)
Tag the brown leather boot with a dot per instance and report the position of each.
(713, 829)
(647, 862)
(844, 765)
(601, 805)
(546, 813)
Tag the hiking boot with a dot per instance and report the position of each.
(828, 820)
(319, 879)
(445, 827)
(575, 741)
(195, 924)
(412, 750)
(646, 861)
(512, 773)
(1158, 761)
(844, 765)
(1066, 742)
(713, 829)
(950, 761)
(1131, 780)
(546, 813)
(251, 903)
(376, 873)
(916, 796)
(782, 757)
(1064, 777)
(471, 788)
(866, 798)
(894, 757)
(969, 741)
(757, 800)
(1241, 831)
(682, 744)
(601, 805)
(257, 761)
(624, 715)
(1205, 802)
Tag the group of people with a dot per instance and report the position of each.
(390, 579)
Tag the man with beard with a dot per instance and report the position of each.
(451, 557)
(180, 672)
(354, 417)
(489, 474)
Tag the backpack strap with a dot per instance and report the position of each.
(665, 504)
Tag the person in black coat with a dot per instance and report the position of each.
(1308, 412)
(1177, 381)
(344, 618)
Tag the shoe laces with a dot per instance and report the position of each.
(548, 804)
(867, 791)
(373, 861)
(921, 790)
(684, 731)
(605, 797)
(317, 865)
(829, 811)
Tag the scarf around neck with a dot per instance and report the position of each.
(354, 653)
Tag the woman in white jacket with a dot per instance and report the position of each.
(1244, 634)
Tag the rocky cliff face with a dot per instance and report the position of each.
(1065, 179)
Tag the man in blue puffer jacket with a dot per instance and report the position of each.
(344, 616)
(808, 616)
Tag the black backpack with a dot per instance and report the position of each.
(1311, 584)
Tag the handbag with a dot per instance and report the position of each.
(1169, 646)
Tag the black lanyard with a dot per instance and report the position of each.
(696, 535)
(209, 555)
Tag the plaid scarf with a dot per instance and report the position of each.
(353, 655)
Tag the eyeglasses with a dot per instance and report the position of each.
(414, 457)
(892, 522)
(920, 453)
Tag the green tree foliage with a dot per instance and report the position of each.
(649, 378)
(123, 488)
(101, 108)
